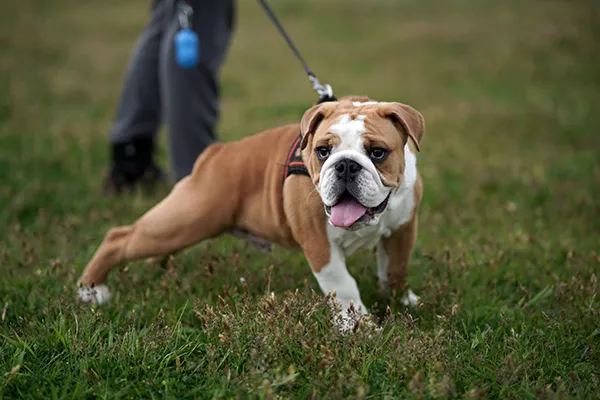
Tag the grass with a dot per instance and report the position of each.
(507, 260)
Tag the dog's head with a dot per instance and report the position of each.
(357, 151)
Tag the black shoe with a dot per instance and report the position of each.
(132, 166)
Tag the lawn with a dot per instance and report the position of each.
(507, 261)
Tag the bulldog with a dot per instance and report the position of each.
(353, 185)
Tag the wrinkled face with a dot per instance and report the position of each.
(356, 153)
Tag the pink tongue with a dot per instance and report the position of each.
(347, 212)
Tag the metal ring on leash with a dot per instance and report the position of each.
(185, 15)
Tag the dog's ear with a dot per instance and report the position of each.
(312, 118)
(407, 119)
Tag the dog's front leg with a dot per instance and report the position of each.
(333, 277)
(393, 257)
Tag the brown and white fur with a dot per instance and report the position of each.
(238, 186)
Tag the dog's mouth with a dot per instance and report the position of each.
(347, 210)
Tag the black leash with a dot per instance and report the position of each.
(324, 91)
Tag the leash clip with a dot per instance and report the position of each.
(324, 91)
(185, 15)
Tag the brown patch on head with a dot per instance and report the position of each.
(381, 133)
(388, 126)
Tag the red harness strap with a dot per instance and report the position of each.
(293, 162)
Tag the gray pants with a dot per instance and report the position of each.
(157, 90)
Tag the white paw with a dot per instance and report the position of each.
(410, 299)
(99, 294)
(346, 319)
(346, 322)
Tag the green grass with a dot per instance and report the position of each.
(506, 263)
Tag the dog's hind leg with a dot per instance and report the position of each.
(186, 216)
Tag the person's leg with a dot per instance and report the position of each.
(138, 114)
(190, 97)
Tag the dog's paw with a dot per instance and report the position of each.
(352, 318)
(348, 323)
(98, 294)
(410, 299)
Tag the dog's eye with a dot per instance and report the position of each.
(322, 152)
(378, 153)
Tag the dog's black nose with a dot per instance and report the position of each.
(347, 169)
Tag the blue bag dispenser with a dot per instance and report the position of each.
(187, 42)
